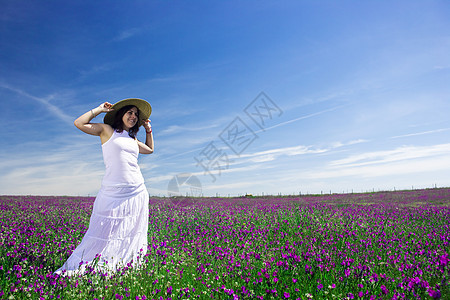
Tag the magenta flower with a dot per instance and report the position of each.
(384, 289)
(286, 295)
(434, 294)
(443, 260)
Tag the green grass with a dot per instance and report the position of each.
(330, 247)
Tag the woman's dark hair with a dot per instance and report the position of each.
(118, 123)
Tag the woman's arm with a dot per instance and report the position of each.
(148, 147)
(98, 129)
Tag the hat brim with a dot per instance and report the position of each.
(145, 110)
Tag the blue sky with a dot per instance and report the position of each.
(357, 93)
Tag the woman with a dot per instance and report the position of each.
(118, 225)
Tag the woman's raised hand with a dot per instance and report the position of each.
(106, 107)
(147, 126)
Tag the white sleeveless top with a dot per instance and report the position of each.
(120, 154)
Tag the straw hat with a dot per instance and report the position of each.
(145, 110)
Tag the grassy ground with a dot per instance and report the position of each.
(384, 245)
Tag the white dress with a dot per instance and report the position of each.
(119, 222)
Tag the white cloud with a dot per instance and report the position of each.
(96, 69)
(395, 168)
(71, 177)
(272, 154)
(128, 33)
(289, 151)
(402, 153)
(160, 178)
(352, 142)
(53, 109)
(174, 129)
(420, 133)
(441, 67)
(244, 165)
(301, 118)
(401, 161)
(58, 167)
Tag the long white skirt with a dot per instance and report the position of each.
(117, 231)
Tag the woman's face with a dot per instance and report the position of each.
(130, 118)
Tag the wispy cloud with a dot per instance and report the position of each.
(440, 67)
(404, 162)
(272, 154)
(331, 96)
(352, 142)
(293, 120)
(60, 175)
(174, 129)
(420, 133)
(269, 155)
(96, 69)
(406, 167)
(302, 118)
(66, 165)
(44, 101)
(128, 33)
(386, 173)
(389, 156)
(243, 165)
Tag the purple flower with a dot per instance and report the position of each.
(384, 289)
(424, 284)
(434, 294)
(244, 290)
(320, 286)
(443, 260)
(286, 295)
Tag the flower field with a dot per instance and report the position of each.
(384, 245)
